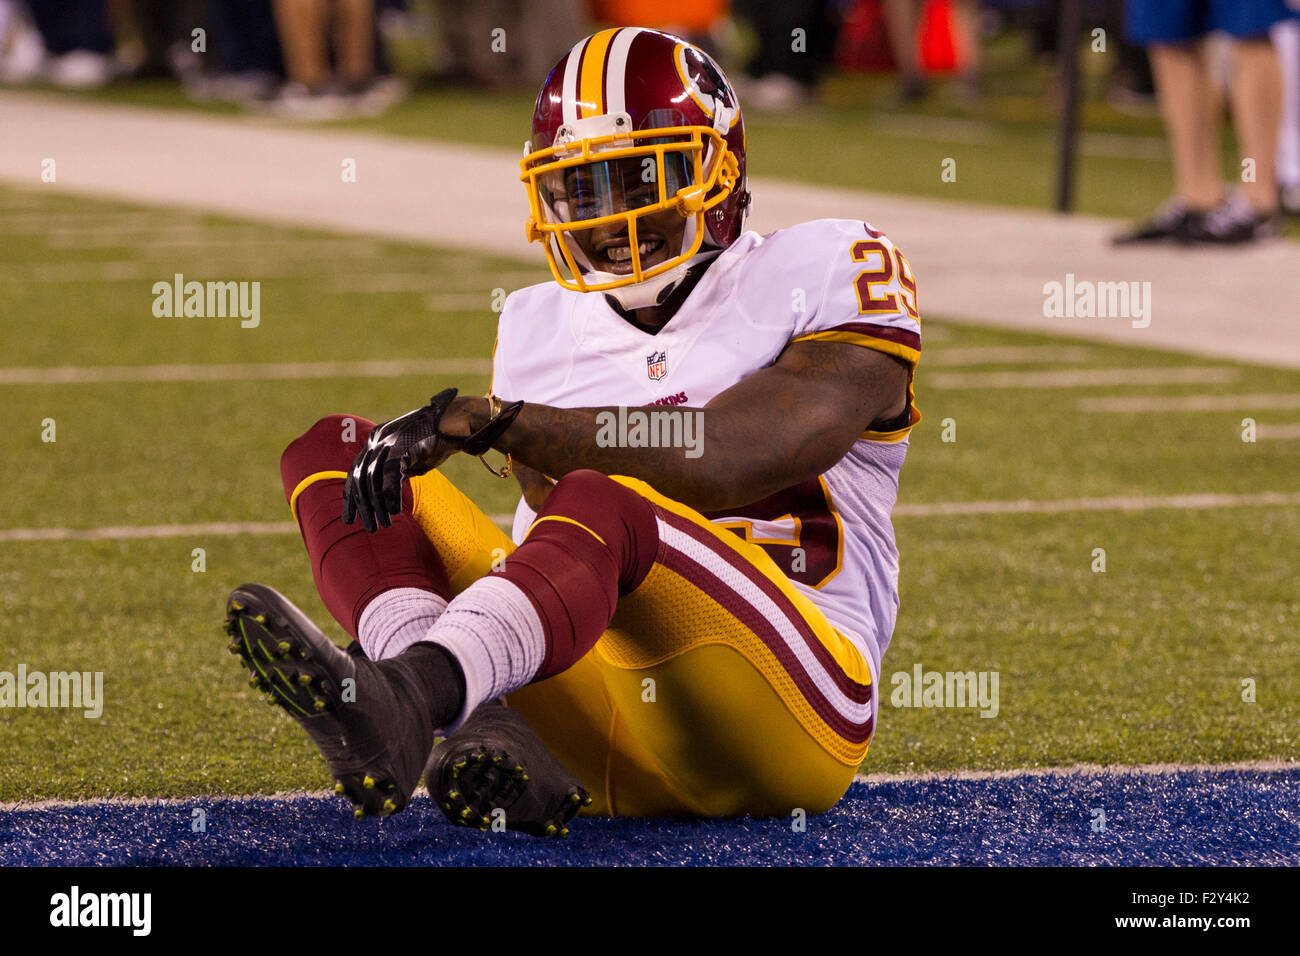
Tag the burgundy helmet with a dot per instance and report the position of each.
(630, 124)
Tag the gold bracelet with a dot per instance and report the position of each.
(494, 409)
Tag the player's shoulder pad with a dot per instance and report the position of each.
(845, 281)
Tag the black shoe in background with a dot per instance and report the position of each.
(1235, 221)
(1175, 221)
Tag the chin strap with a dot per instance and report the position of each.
(500, 417)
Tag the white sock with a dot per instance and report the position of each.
(1286, 40)
(493, 631)
(396, 619)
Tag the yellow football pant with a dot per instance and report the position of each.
(679, 709)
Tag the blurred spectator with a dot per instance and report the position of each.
(165, 35)
(244, 50)
(321, 88)
(796, 40)
(74, 48)
(903, 18)
(534, 36)
(1174, 31)
(1286, 38)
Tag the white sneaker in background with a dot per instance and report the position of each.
(296, 102)
(82, 70)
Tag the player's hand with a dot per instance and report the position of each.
(402, 448)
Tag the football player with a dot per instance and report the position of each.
(707, 425)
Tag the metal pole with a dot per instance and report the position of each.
(1067, 50)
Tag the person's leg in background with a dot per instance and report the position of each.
(1249, 212)
(900, 21)
(1187, 104)
(1286, 41)
(1256, 115)
(301, 25)
(1172, 32)
(354, 41)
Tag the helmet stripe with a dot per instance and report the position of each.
(569, 92)
(616, 74)
(591, 98)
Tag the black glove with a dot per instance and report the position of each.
(403, 448)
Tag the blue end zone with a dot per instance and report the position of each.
(1184, 818)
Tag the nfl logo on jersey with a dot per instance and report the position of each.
(656, 366)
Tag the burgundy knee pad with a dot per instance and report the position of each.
(624, 520)
(330, 445)
(349, 565)
(574, 580)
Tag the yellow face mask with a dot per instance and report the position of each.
(589, 199)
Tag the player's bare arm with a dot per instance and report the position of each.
(773, 429)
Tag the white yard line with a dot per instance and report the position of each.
(1006, 355)
(1221, 303)
(505, 520)
(1190, 403)
(1084, 378)
(88, 374)
(1078, 770)
(145, 532)
(1277, 432)
(1122, 503)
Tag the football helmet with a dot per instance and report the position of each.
(636, 166)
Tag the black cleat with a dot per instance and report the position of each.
(496, 762)
(375, 746)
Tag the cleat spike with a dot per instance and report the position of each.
(454, 795)
(359, 813)
(236, 606)
(304, 680)
(339, 788)
(318, 704)
(587, 802)
(368, 782)
(551, 829)
(574, 798)
(259, 618)
(284, 647)
(564, 831)
(466, 813)
(390, 806)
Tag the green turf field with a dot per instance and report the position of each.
(1142, 663)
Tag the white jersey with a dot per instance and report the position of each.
(830, 279)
